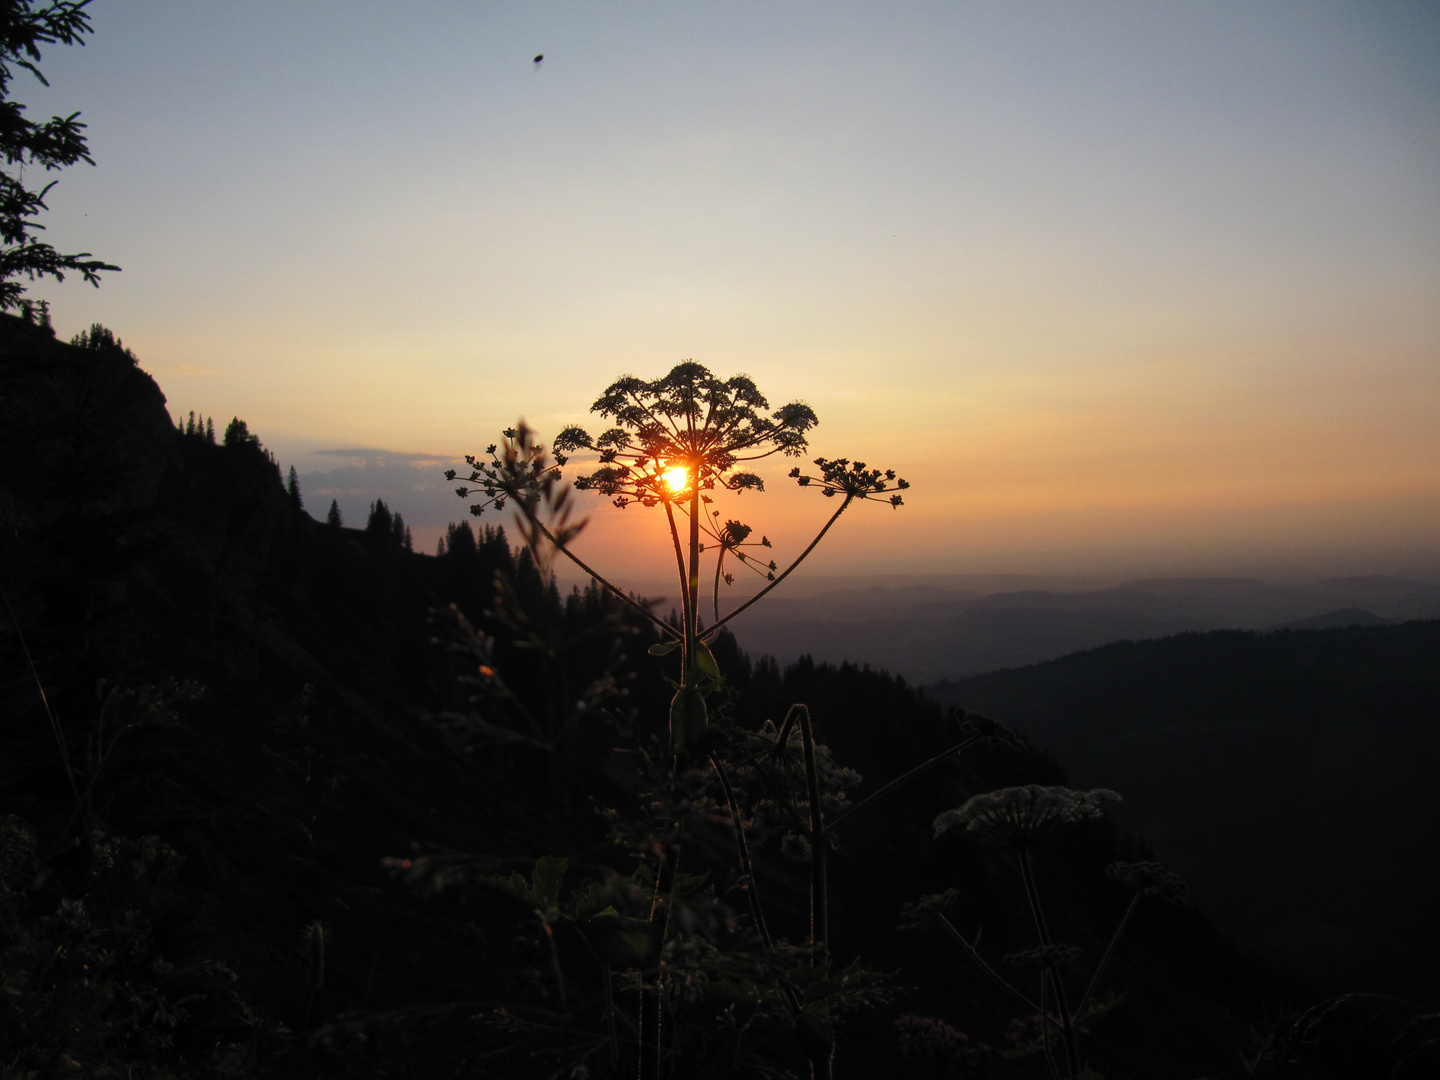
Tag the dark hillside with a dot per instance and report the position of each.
(1289, 775)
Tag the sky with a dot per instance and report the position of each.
(1117, 286)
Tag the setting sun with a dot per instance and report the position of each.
(677, 478)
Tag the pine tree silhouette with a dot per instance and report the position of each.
(292, 488)
(380, 523)
(237, 433)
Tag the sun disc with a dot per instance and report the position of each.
(677, 478)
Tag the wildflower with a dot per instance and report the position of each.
(913, 916)
(1045, 956)
(924, 1038)
(1149, 879)
(851, 479)
(1021, 816)
(992, 731)
(689, 419)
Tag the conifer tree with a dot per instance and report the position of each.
(237, 433)
(333, 517)
(461, 541)
(292, 488)
(210, 430)
(46, 146)
(101, 340)
(379, 523)
(190, 424)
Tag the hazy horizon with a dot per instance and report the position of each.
(1121, 291)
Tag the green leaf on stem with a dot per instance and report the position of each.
(705, 661)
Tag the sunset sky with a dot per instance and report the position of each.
(1134, 287)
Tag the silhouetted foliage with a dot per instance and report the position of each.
(49, 145)
(237, 433)
(380, 523)
(292, 488)
(332, 518)
(100, 339)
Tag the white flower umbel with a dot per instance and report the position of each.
(1021, 816)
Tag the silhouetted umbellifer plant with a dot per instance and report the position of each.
(675, 440)
(1020, 818)
(680, 443)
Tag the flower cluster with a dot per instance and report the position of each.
(913, 916)
(992, 731)
(1028, 1032)
(924, 1038)
(521, 469)
(1149, 879)
(1021, 816)
(690, 420)
(1044, 956)
(841, 476)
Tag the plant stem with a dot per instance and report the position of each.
(49, 713)
(788, 570)
(692, 584)
(747, 868)
(974, 955)
(600, 578)
(1045, 1027)
(818, 919)
(924, 766)
(1114, 938)
(1072, 1052)
(719, 569)
(685, 646)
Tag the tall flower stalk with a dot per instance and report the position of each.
(1021, 817)
(681, 443)
(678, 443)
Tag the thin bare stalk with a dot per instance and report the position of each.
(1114, 938)
(818, 896)
(747, 867)
(692, 585)
(684, 592)
(788, 570)
(979, 961)
(601, 579)
(49, 712)
(1045, 1028)
(924, 766)
(719, 569)
(1072, 1051)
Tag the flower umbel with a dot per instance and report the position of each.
(852, 479)
(1149, 879)
(1021, 816)
(690, 420)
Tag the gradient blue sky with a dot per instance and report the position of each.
(1131, 286)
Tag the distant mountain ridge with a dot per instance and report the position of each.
(1289, 775)
(928, 633)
